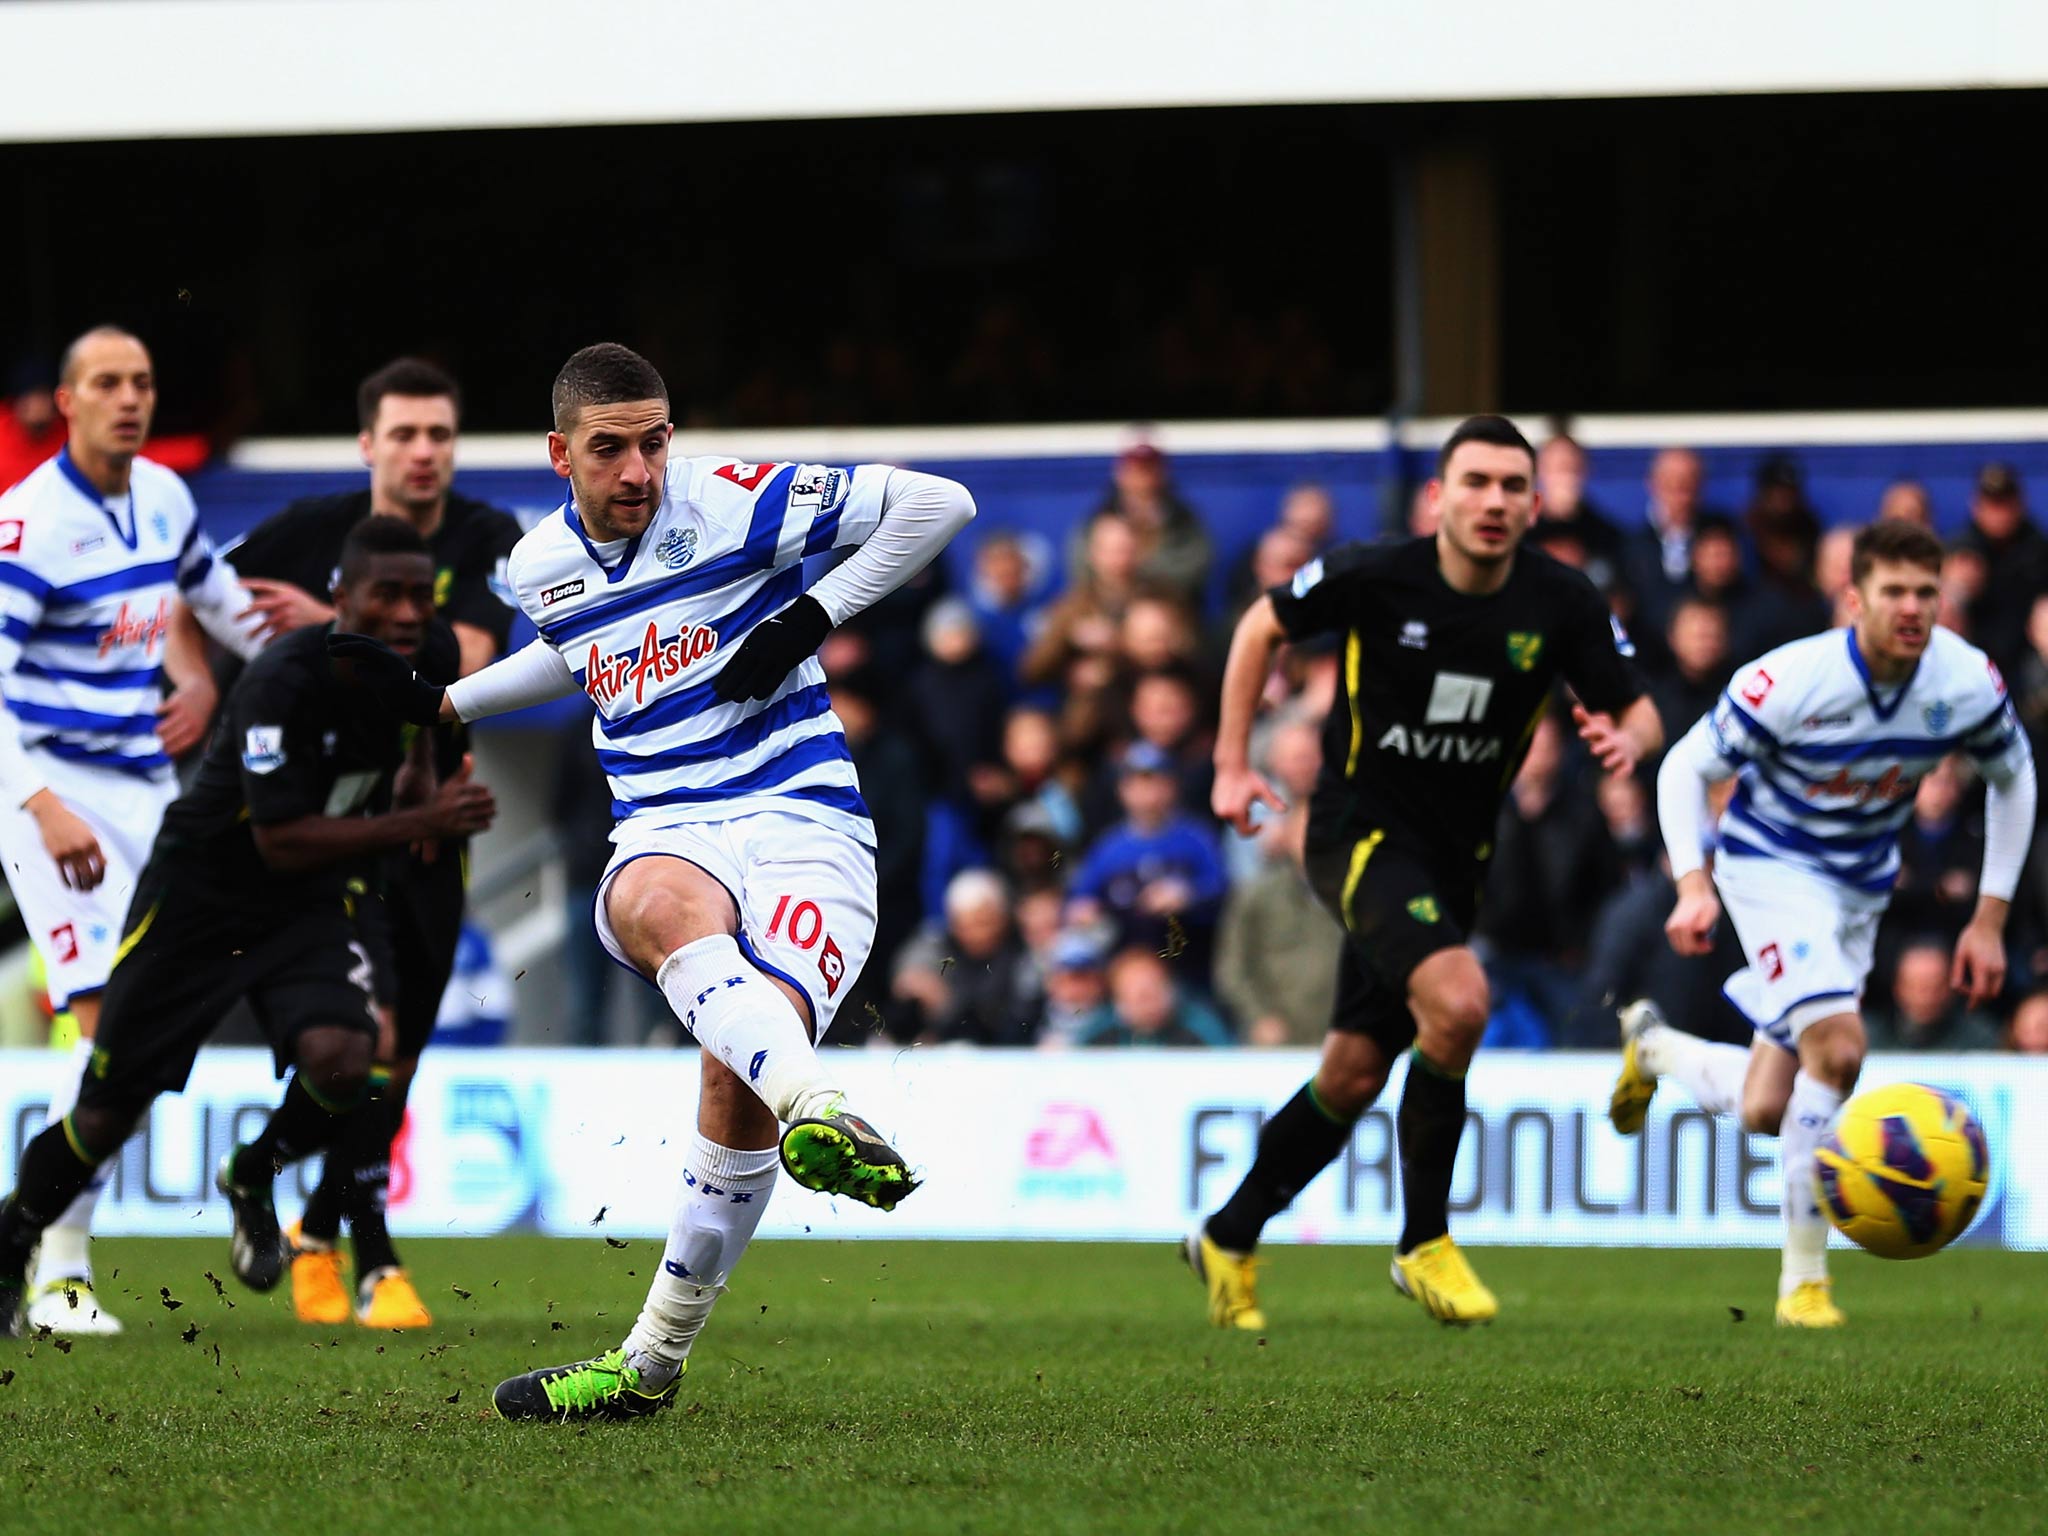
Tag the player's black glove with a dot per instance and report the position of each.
(389, 676)
(775, 647)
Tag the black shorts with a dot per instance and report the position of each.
(185, 961)
(1400, 901)
(416, 925)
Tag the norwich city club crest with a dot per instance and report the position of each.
(1423, 909)
(1523, 649)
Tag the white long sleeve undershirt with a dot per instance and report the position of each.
(536, 673)
(2008, 827)
(920, 515)
(1688, 768)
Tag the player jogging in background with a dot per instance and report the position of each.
(408, 415)
(1827, 739)
(1452, 645)
(96, 546)
(246, 895)
(742, 881)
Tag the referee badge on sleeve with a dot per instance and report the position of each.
(263, 748)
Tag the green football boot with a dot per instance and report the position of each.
(604, 1388)
(841, 1154)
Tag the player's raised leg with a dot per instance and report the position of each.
(1449, 998)
(1651, 1050)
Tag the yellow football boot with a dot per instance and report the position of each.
(1633, 1090)
(1810, 1305)
(386, 1299)
(1232, 1279)
(1437, 1275)
(319, 1294)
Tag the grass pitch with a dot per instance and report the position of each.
(938, 1387)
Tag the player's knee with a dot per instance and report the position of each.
(335, 1065)
(1762, 1113)
(1349, 1089)
(1833, 1052)
(654, 914)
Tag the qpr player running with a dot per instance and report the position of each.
(742, 882)
(96, 547)
(1826, 739)
(1452, 647)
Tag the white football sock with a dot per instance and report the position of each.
(740, 1017)
(1711, 1072)
(1808, 1118)
(719, 1203)
(66, 1247)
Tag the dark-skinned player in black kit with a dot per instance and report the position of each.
(248, 895)
(1452, 648)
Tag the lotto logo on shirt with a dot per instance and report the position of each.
(10, 536)
(64, 943)
(656, 662)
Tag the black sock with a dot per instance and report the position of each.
(1432, 1122)
(362, 1158)
(321, 1219)
(49, 1178)
(1297, 1144)
(300, 1126)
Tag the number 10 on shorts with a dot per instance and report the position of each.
(806, 928)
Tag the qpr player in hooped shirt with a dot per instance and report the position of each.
(1827, 739)
(742, 881)
(96, 546)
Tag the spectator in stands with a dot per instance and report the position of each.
(1552, 865)
(1624, 801)
(1700, 662)
(1272, 562)
(1906, 501)
(1082, 625)
(1276, 959)
(967, 977)
(2030, 683)
(2028, 1032)
(1561, 479)
(1657, 557)
(1032, 851)
(1165, 710)
(1157, 875)
(30, 429)
(892, 784)
(1288, 749)
(1925, 1015)
(2015, 562)
(1785, 531)
(1423, 517)
(955, 705)
(1147, 1009)
(1003, 597)
(1310, 513)
(1941, 851)
(1831, 573)
(1041, 776)
(1076, 991)
(1173, 547)
(1157, 633)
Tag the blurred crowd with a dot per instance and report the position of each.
(1035, 749)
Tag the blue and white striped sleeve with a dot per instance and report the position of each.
(1996, 743)
(1734, 735)
(22, 594)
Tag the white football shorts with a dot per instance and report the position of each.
(78, 932)
(805, 891)
(1809, 943)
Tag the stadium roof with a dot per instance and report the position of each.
(128, 69)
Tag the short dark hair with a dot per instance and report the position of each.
(67, 365)
(1893, 540)
(1496, 430)
(604, 374)
(378, 534)
(413, 377)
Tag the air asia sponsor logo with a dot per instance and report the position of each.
(1440, 746)
(658, 661)
(560, 592)
(1069, 1154)
(1891, 785)
(132, 628)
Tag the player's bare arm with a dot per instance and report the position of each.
(1619, 745)
(1238, 786)
(458, 807)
